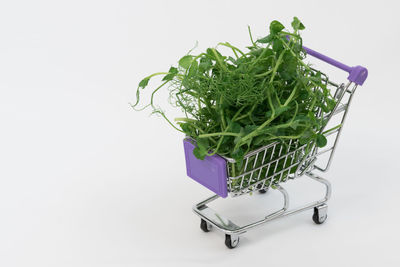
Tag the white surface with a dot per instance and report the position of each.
(86, 181)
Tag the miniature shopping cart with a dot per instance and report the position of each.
(261, 170)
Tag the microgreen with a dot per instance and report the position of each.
(236, 103)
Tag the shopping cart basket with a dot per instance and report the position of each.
(261, 171)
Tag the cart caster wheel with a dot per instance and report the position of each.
(231, 241)
(320, 214)
(261, 190)
(205, 226)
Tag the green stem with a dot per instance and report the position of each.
(256, 131)
(165, 117)
(222, 137)
(332, 129)
(291, 95)
(251, 37)
(234, 48)
(218, 134)
(218, 59)
(247, 114)
(155, 91)
(259, 57)
(294, 54)
(185, 120)
(222, 113)
(152, 96)
(263, 74)
(157, 73)
(278, 62)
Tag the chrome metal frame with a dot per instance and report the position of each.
(228, 227)
(256, 174)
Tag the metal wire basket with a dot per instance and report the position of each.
(273, 164)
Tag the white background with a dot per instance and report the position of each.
(86, 181)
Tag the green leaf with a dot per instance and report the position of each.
(325, 108)
(205, 64)
(198, 153)
(331, 104)
(168, 77)
(276, 27)
(185, 61)
(193, 69)
(306, 137)
(210, 53)
(297, 25)
(238, 154)
(321, 140)
(143, 83)
(201, 149)
(265, 39)
(277, 45)
(219, 54)
(173, 70)
(185, 127)
(203, 143)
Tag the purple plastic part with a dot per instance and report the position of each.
(357, 74)
(210, 172)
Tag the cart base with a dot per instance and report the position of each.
(210, 218)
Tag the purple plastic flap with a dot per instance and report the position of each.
(210, 172)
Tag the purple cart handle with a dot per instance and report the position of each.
(357, 74)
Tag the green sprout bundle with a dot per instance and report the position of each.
(233, 104)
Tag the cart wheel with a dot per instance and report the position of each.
(231, 241)
(320, 214)
(205, 226)
(262, 191)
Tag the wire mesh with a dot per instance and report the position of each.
(283, 160)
